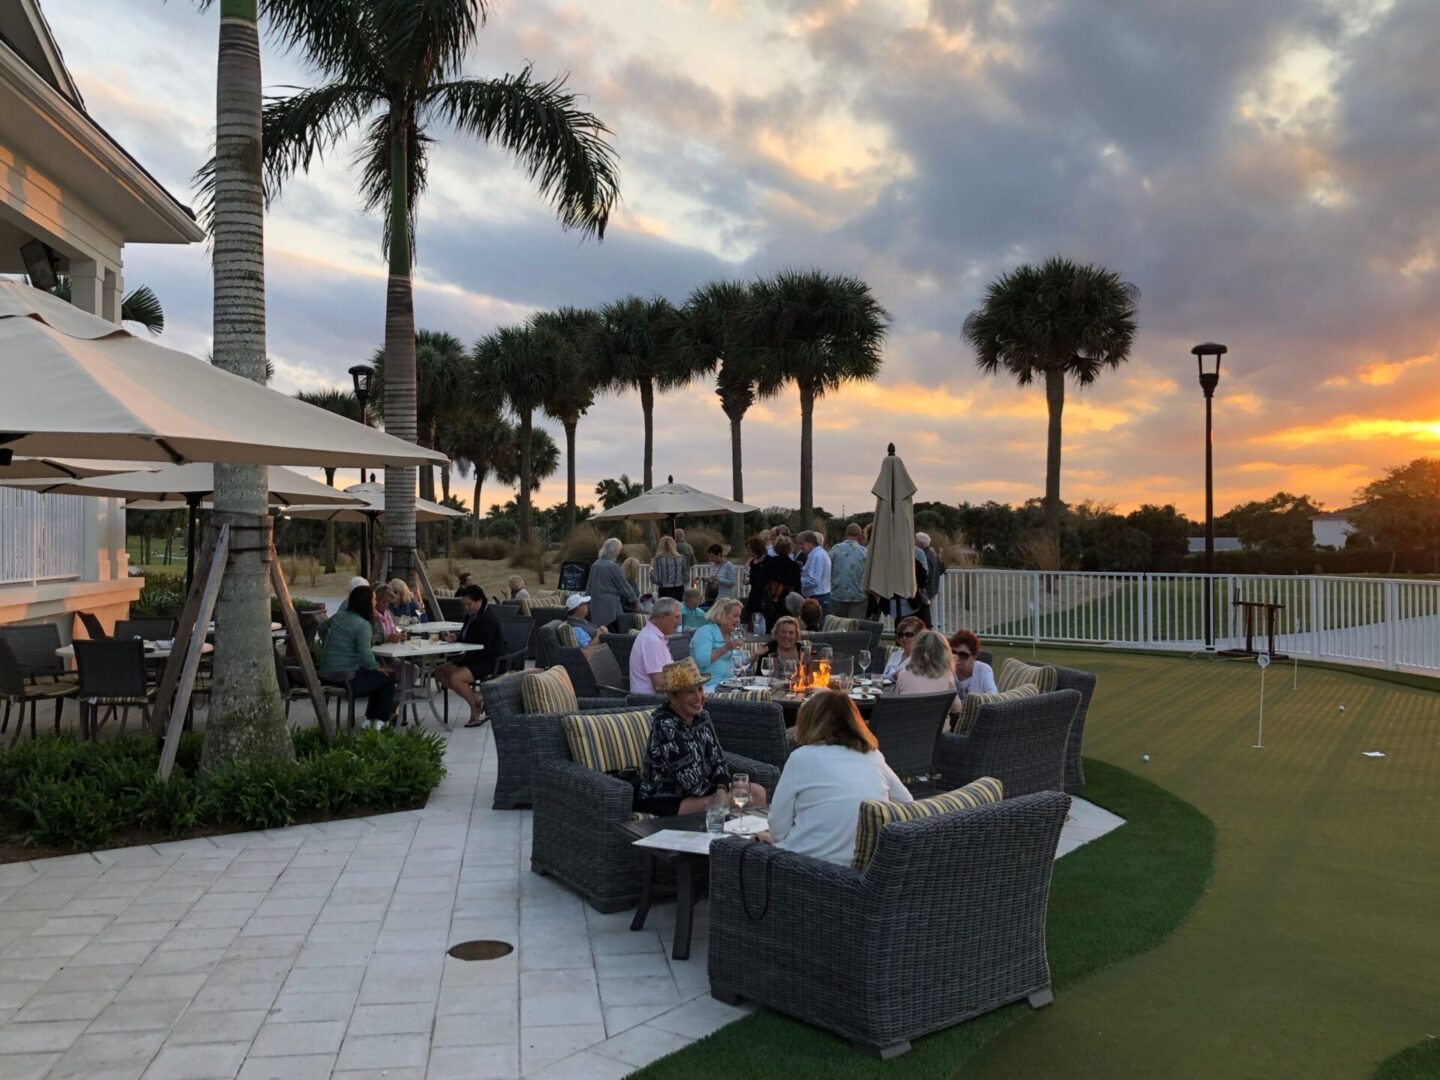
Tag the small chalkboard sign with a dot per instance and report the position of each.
(573, 575)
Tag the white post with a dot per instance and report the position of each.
(87, 285)
(1392, 621)
(1264, 661)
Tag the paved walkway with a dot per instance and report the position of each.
(319, 950)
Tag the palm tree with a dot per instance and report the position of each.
(714, 324)
(516, 365)
(612, 492)
(635, 347)
(393, 70)
(441, 361)
(544, 462)
(818, 331)
(482, 442)
(1055, 320)
(139, 305)
(574, 389)
(341, 403)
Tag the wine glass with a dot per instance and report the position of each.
(787, 670)
(767, 667)
(862, 661)
(740, 662)
(740, 794)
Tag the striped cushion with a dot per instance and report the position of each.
(1015, 673)
(836, 623)
(608, 742)
(875, 815)
(566, 633)
(639, 620)
(549, 692)
(522, 605)
(970, 707)
(743, 695)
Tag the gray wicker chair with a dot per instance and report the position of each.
(610, 681)
(946, 923)
(1020, 743)
(539, 616)
(577, 811)
(511, 726)
(112, 675)
(147, 629)
(844, 642)
(908, 730)
(679, 645)
(622, 645)
(1083, 682)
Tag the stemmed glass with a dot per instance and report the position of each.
(740, 794)
(787, 671)
(862, 660)
(767, 667)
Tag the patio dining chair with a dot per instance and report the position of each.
(145, 629)
(112, 676)
(94, 629)
(35, 650)
(16, 689)
(908, 730)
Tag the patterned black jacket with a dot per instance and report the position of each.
(682, 759)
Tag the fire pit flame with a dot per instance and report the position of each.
(811, 675)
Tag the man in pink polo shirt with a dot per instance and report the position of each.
(652, 651)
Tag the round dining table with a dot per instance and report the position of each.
(153, 651)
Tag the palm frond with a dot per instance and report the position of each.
(815, 328)
(560, 145)
(430, 37)
(373, 156)
(142, 306)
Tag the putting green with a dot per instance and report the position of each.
(1314, 952)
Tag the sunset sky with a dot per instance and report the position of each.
(1268, 174)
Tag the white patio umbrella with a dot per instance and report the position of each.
(890, 564)
(673, 500)
(78, 386)
(373, 496)
(43, 468)
(171, 487)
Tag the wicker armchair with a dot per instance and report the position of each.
(1083, 682)
(147, 629)
(844, 642)
(452, 608)
(622, 645)
(946, 923)
(577, 810)
(539, 616)
(752, 729)
(112, 675)
(1020, 743)
(511, 726)
(908, 730)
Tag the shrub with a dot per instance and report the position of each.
(65, 812)
(482, 547)
(298, 566)
(159, 596)
(582, 543)
(701, 538)
(527, 556)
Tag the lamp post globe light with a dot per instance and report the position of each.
(361, 376)
(1207, 361)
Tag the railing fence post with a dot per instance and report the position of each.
(1392, 625)
(1318, 590)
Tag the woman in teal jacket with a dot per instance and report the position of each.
(348, 656)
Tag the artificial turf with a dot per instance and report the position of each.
(1110, 899)
(1418, 1062)
(1312, 952)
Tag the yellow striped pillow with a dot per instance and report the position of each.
(608, 742)
(742, 695)
(549, 692)
(835, 622)
(522, 605)
(970, 707)
(875, 815)
(1015, 673)
(566, 634)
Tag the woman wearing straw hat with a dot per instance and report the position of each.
(684, 766)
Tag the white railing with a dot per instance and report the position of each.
(1377, 622)
(42, 537)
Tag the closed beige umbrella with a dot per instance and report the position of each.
(75, 385)
(890, 565)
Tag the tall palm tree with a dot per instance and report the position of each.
(818, 331)
(714, 328)
(544, 462)
(341, 403)
(140, 305)
(480, 442)
(613, 492)
(573, 329)
(516, 365)
(393, 71)
(1056, 320)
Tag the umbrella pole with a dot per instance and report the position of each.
(192, 512)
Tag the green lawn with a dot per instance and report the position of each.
(1418, 1062)
(1313, 950)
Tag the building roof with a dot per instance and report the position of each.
(1339, 515)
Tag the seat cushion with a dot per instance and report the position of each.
(608, 742)
(566, 635)
(836, 623)
(742, 695)
(875, 815)
(1015, 673)
(970, 707)
(549, 691)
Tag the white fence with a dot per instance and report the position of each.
(42, 537)
(1377, 622)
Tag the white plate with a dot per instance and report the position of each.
(746, 826)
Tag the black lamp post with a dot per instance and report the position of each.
(361, 375)
(1207, 360)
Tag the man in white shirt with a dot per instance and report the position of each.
(815, 574)
(652, 647)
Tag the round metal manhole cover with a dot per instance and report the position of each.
(481, 950)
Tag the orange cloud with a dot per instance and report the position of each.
(1383, 374)
(1355, 428)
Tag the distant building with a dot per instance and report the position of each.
(1222, 543)
(1333, 529)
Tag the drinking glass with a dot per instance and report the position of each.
(758, 624)
(740, 662)
(714, 819)
(740, 792)
(862, 661)
(787, 670)
(827, 653)
(767, 667)
(842, 673)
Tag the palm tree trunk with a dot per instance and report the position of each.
(525, 432)
(246, 719)
(330, 531)
(647, 407)
(445, 483)
(737, 482)
(475, 498)
(1055, 402)
(570, 426)
(807, 455)
(400, 419)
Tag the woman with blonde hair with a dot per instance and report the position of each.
(835, 765)
(402, 601)
(905, 631)
(786, 643)
(713, 646)
(667, 570)
(515, 584)
(931, 669)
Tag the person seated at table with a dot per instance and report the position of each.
(403, 604)
(972, 676)
(905, 631)
(651, 651)
(727, 574)
(578, 619)
(384, 621)
(354, 583)
(812, 615)
(692, 613)
(931, 669)
(480, 627)
(712, 593)
(516, 586)
(684, 766)
(712, 647)
(785, 644)
(348, 657)
(834, 767)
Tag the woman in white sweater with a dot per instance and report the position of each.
(835, 766)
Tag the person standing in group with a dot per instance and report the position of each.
(815, 574)
(610, 593)
(755, 576)
(727, 574)
(847, 575)
(686, 552)
(668, 570)
(781, 576)
(934, 570)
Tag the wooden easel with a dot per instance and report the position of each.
(177, 683)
